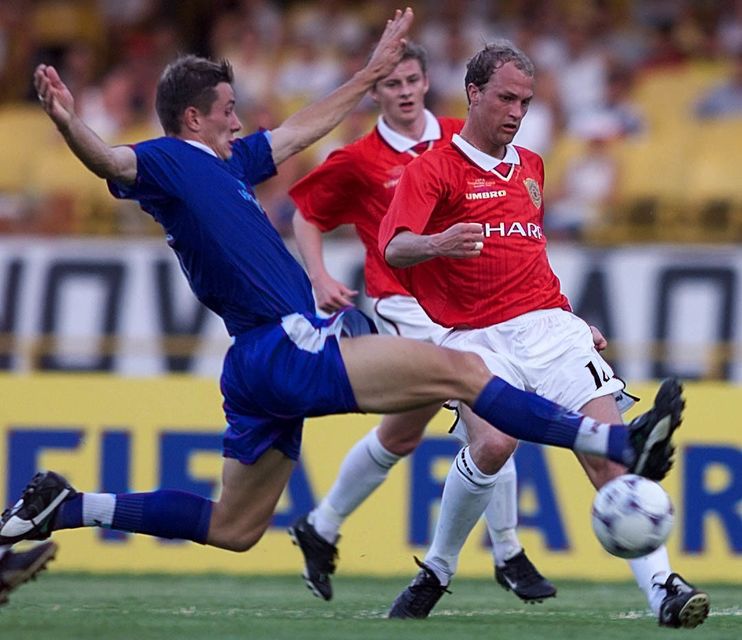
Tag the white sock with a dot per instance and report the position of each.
(465, 496)
(364, 468)
(592, 437)
(97, 509)
(650, 571)
(501, 514)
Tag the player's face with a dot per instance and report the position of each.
(401, 95)
(499, 107)
(219, 126)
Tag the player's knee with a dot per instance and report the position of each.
(234, 534)
(493, 451)
(403, 444)
(401, 433)
(241, 541)
(400, 442)
(470, 370)
(474, 363)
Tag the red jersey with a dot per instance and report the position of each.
(512, 275)
(355, 185)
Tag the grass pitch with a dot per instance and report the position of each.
(67, 606)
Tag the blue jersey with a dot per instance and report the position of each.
(234, 259)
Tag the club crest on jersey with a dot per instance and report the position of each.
(482, 189)
(533, 191)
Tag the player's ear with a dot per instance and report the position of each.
(473, 93)
(192, 119)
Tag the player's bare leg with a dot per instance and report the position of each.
(400, 433)
(248, 500)
(390, 374)
(489, 447)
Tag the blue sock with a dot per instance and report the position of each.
(618, 445)
(526, 416)
(165, 513)
(69, 514)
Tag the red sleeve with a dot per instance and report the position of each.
(541, 170)
(542, 178)
(417, 194)
(326, 195)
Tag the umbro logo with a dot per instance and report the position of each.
(485, 195)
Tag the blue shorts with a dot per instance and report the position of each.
(276, 375)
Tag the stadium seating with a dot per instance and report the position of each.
(678, 181)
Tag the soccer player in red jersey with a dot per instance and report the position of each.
(355, 186)
(465, 231)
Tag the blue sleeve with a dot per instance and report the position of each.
(254, 157)
(156, 179)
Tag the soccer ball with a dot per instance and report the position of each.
(632, 516)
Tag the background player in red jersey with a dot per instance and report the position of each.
(465, 230)
(355, 186)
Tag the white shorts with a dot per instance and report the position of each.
(403, 316)
(549, 352)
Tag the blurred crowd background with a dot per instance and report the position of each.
(638, 111)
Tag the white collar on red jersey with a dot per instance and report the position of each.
(401, 143)
(484, 160)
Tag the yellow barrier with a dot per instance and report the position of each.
(117, 434)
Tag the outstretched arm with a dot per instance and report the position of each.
(331, 294)
(309, 124)
(114, 163)
(462, 240)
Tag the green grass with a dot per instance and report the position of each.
(62, 606)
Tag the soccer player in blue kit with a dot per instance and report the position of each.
(285, 363)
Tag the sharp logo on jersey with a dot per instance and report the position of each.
(507, 229)
(482, 189)
(533, 191)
